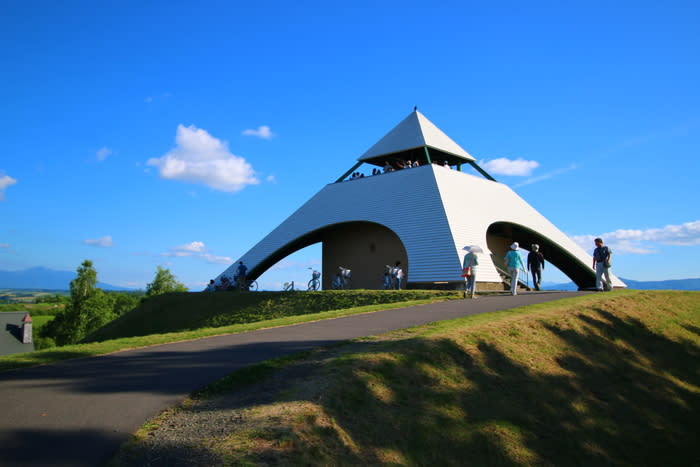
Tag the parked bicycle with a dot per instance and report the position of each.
(288, 287)
(246, 284)
(315, 282)
(342, 278)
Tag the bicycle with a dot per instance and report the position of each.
(248, 285)
(288, 287)
(315, 283)
(342, 279)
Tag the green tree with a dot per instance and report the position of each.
(125, 301)
(164, 282)
(89, 308)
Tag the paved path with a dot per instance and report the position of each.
(77, 413)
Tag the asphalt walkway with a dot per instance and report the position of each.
(78, 412)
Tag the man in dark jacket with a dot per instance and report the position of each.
(601, 264)
(535, 264)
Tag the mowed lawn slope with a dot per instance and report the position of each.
(177, 317)
(603, 379)
(186, 311)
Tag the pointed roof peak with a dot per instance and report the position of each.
(414, 132)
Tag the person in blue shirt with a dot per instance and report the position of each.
(241, 272)
(601, 264)
(514, 263)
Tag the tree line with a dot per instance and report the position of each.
(89, 308)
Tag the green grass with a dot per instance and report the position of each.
(603, 379)
(172, 312)
(40, 321)
(177, 312)
(34, 309)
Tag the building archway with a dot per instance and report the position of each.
(500, 235)
(361, 246)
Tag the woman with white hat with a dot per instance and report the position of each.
(514, 263)
(469, 266)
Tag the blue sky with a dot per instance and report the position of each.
(139, 134)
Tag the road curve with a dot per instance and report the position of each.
(78, 412)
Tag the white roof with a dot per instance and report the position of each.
(415, 131)
(428, 214)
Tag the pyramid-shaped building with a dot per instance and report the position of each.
(422, 216)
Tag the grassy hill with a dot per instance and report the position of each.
(603, 379)
(176, 312)
(186, 316)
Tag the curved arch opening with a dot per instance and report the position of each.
(361, 246)
(500, 235)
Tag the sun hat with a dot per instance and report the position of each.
(514, 246)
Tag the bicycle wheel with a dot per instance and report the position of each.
(313, 285)
(253, 286)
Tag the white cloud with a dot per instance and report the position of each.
(546, 176)
(102, 153)
(642, 241)
(263, 132)
(193, 247)
(5, 181)
(105, 241)
(503, 166)
(201, 158)
(271, 179)
(197, 250)
(217, 259)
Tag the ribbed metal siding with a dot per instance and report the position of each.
(435, 212)
(407, 202)
(472, 204)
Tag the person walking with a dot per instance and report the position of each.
(387, 279)
(514, 263)
(601, 264)
(398, 275)
(469, 266)
(535, 264)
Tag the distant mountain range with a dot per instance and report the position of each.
(677, 284)
(44, 278)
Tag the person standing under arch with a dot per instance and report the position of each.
(397, 273)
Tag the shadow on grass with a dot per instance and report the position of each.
(618, 402)
(694, 329)
(617, 394)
